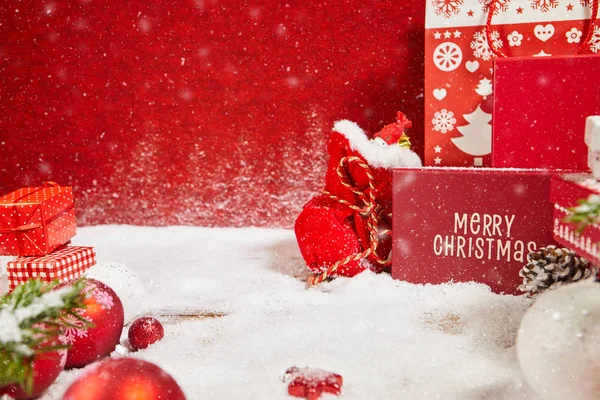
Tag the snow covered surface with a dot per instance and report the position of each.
(388, 339)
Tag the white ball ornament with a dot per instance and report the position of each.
(124, 281)
(558, 343)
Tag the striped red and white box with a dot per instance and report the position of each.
(565, 193)
(64, 264)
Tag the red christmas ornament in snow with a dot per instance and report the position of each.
(309, 383)
(144, 331)
(105, 311)
(46, 368)
(124, 379)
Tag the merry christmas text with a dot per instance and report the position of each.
(483, 236)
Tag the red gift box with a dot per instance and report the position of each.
(539, 114)
(469, 224)
(66, 263)
(565, 192)
(35, 221)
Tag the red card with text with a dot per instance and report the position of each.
(469, 224)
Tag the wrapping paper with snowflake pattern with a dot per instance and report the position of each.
(64, 264)
(34, 221)
(459, 65)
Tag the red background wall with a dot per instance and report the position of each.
(198, 112)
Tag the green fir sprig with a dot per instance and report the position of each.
(31, 319)
(586, 213)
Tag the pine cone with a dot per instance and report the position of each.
(550, 267)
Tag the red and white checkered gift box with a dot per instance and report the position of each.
(64, 264)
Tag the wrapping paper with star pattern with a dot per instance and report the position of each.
(459, 65)
(35, 221)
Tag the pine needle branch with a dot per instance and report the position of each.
(30, 322)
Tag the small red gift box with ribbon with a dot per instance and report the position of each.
(565, 193)
(35, 221)
(64, 264)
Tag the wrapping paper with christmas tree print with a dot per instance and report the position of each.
(64, 264)
(565, 191)
(459, 65)
(35, 221)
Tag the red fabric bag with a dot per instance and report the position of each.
(35, 221)
(459, 64)
(333, 226)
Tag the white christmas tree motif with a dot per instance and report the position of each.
(561, 231)
(500, 5)
(443, 121)
(595, 40)
(544, 5)
(446, 8)
(480, 46)
(75, 328)
(484, 88)
(476, 139)
(103, 298)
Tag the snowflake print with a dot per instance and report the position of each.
(103, 298)
(573, 36)
(499, 5)
(75, 328)
(446, 8)
(595, 40)
(515, 39)
(443, 121)
(544, 5)
(480, 46)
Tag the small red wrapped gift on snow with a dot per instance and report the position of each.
(64, 264)
(35, 221)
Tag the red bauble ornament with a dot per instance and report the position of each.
(46, 368)
(144, 331)
(124, 379)
(310, 383)
(105, 311)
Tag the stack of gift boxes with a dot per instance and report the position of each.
(505, 142)
(37, 225)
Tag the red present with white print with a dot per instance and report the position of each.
(469, 224)
(565, 193)
(64, 264)
(35, 221)
(459, 65)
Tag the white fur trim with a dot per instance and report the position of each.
(377, 153)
